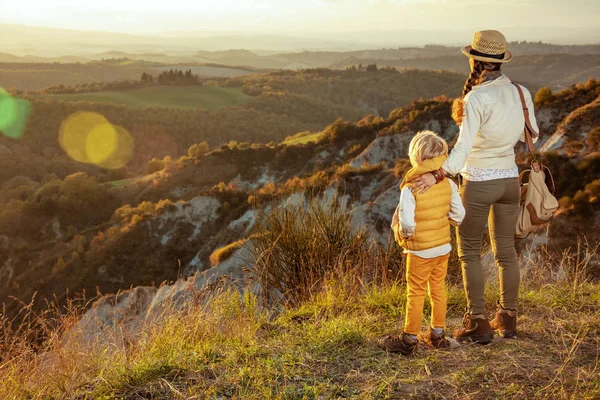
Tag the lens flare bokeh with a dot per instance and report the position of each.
(122, 150)
(89, 137)
(14, 112)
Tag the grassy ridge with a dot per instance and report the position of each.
(188, 97)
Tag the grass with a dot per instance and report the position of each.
(225, 252)
(183, 97)
(230, 347)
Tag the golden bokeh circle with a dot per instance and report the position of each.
(89, 137)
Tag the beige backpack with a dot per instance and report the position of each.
(538, 203)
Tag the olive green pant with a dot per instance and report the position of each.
(496, 203)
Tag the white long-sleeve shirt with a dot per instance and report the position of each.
(404, 219)
(493, 123)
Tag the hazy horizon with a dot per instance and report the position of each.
(311, 17)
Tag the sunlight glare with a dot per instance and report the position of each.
(90, 138)
(13, 115)
(123, 150)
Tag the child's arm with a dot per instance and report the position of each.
(404, 217)
(457, 210)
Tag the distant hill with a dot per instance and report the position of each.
(34, 75)
(193, 97)
(52, 42)
(555, 70)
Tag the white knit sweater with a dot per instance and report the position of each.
(492, 125)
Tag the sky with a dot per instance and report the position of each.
(293, 16)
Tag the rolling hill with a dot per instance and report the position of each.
(191, 97)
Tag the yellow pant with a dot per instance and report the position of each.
(421, 273)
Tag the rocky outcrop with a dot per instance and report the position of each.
(575, 127)
(383, 149)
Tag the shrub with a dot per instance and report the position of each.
(155, 165)
(593, 139)
(298, 246)
(573, 147)
(198, 150)
(543, 96)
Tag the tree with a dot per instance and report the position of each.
(198, 150)
(155, 165)
(147, 78)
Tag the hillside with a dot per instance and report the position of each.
(206, 97)
(304, 101)
(177, 217)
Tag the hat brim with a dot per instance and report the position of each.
(467, 52)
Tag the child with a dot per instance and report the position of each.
(421, 225)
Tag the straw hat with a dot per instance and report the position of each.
(488, 46)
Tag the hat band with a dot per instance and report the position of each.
(480, 54)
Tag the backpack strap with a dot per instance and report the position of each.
(529, 132)
(549, 179)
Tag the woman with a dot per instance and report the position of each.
(491, 120)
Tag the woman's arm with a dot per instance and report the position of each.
(466, 136)
(458, 156)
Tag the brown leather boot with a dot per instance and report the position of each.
(434, 340)
(476, 328)
(505, 322)
(400, 344)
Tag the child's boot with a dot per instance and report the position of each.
(400, 344)
(435, 340)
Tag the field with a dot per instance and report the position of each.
(188, 97)
(207, 70)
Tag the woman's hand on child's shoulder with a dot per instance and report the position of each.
(422, 183)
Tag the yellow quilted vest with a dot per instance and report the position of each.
(432, 209)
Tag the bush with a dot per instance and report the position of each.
(543, 96)
(155, 165)
(298, 246)
(593, 139)
(198, 150)
(573, 147)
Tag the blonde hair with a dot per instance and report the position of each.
(426, 145)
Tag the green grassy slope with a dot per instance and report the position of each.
(184, 97)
